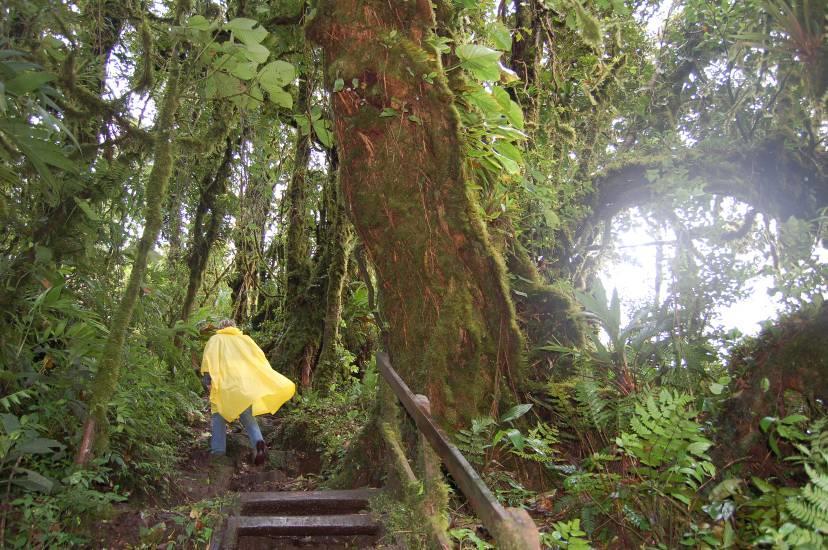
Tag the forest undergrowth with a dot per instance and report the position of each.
(444, 181)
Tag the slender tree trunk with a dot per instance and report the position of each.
(203, 239)
(109, 365)
(302, 302)
(340, 240)
(453, 334)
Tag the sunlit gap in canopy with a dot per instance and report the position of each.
(632, 267)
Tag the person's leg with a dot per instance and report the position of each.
(218, 441)
(251, 427)
(255, 436)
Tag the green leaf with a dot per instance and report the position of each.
(699, 447)
(277, 73)
(251, 37)
(725, 489)
(28, 81)
(794, 419)
(198, 22)
(516, 412)
(515, 115)
(762, 485)
(508, 150)
(683, 498)
(10, 423)
(502, 98)
(256, 52)
(765, 385)
(485, 102)
(32, 481)
(245, 71)
(482, 62)
(501, 36)
(240, 24)
(388, 112)
(38, 445)
(774, 445)
(84, 205)
(302, 123)
(339, 85)
(320, 128)
(221, 85)
(279, 97)
(765, 423)
(517, 439)
(716, 389)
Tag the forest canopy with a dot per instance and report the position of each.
(444, 181)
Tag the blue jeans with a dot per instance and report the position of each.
(218, 443)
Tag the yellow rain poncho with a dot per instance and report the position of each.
(241, 376)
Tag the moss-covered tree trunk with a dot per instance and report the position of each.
(109, 364)
(452, 331)
(302, 305)
(206, 233)
(340, 242)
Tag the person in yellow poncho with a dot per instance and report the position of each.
(242, 386)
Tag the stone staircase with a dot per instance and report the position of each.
(300, 519)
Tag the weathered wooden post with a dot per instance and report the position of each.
(436, 495)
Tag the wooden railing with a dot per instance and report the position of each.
(512, 528)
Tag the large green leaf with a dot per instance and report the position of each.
(277, 73)
(280, 97)
(244, 71)
(32, 480)
(516, 412)
(28, 81)
(220, 85)
(482, 62)
(322, 131)
(198, 22)
(38, 445)
(240, 24)
(501, 36)
(256, 52)
(251, 37)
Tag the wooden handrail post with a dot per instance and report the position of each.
(512, 529)
(435, 489)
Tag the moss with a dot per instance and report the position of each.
(212, 187)
(443, 288)
(786, 360)
(106, 378)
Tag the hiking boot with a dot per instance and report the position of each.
(261, 453)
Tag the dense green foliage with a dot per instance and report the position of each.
(164, 165)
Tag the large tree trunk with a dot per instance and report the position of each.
(109, 366)
(452, 332)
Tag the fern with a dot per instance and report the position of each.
(593, 407)
(805, 514)
(810, 506)
(666, 438)
(474, 442)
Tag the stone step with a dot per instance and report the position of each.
(332, 525)
(305, 503)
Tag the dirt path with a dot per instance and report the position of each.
(198, 489)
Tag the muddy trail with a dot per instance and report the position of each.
(203, 492)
